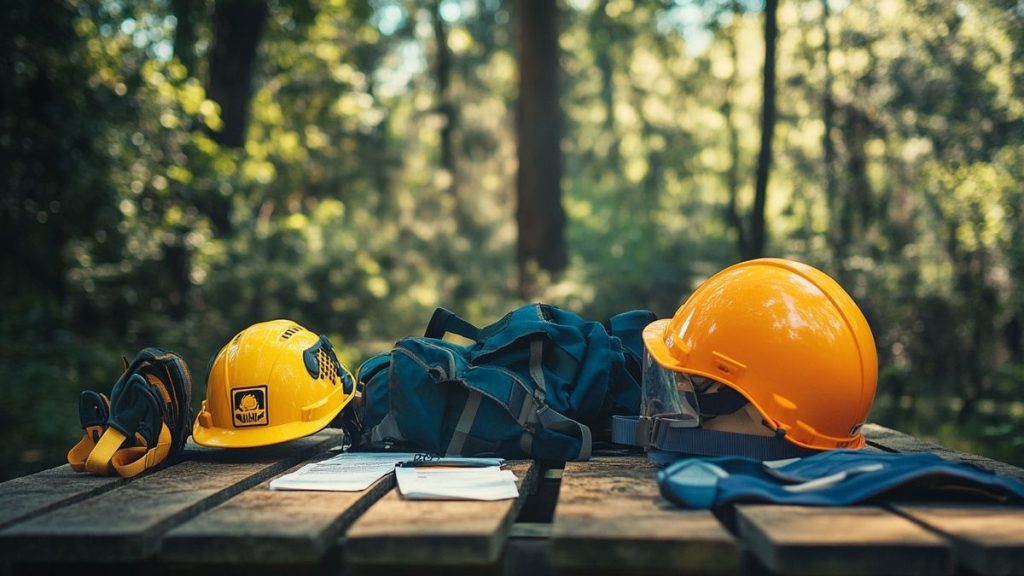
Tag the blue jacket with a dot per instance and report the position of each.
(834, 478)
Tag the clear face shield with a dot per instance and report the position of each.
(669, 395)
(688, 401)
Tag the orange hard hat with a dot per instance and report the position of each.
(788, 338)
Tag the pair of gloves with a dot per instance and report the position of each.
(143, 424)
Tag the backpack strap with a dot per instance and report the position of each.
(678, 436)
(465, 424)
(547, 417)
(444, 321)
(526, 404)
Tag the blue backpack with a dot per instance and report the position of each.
(532, 385)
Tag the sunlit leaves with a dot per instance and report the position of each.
(337, 213)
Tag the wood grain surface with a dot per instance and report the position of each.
(128, 522)
(610, 519)
(29, 496)
(894, 441)
(262, 526)
(848, 541)
(986, 539)
(430, 533)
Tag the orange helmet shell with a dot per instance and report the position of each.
(263, 390)
(788, 338)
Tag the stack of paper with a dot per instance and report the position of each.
(457, 483)
(351, 471)
(422, 477)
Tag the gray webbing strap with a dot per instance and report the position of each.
(386, 431)
(545, 415)
(705, 442)
(552, 420)
(526, 442)
(537, 368)
(465, 424)
(661, 434)
(631, 430)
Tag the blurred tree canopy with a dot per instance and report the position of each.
(172, 171)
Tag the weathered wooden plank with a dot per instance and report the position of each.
(262, 525)
(610, 519)
(28, 496)
(396, 532)
(986, 539)
(848, 541)
(127, 523)
(893, 441)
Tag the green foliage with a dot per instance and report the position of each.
(127, 225)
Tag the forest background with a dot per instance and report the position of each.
(172, 171)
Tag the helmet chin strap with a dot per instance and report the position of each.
(740, 433)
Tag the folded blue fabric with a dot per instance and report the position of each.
(834, 478)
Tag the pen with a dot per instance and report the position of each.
(453, 462)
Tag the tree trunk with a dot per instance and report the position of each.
(443, 77)
(732, 175)
(237, 29)
(829, 150)
(764, 159)
(541, 220)
(185, 32)
(601, 44)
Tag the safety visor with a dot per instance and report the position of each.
(668, 394)
(686, 399)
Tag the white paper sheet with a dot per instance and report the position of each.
(347, 472)
(439, 483)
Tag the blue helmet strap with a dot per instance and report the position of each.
(680, 437)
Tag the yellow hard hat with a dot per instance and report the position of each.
(788, 338)
(273, 382)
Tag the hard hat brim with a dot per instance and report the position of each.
(256, 436)
(654, 341)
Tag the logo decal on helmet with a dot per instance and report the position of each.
(249, 406)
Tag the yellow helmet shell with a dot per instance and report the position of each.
(273, 382)
(788, 338)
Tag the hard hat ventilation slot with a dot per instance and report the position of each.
(326, 367)
(730, 367)
(290, 332)
(320, 361)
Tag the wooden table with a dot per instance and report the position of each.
(214, 513)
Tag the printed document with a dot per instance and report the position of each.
(456, 483)
(346, 472)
